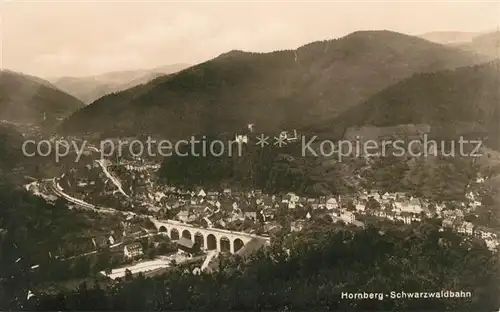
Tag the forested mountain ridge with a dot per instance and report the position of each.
(463, 100)
(282, 89)
(30, 100)
(89, 89)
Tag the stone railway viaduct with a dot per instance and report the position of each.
(207, 238)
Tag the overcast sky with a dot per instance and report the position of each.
(83, 38)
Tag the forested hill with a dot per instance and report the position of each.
(30, 100)
(90, 88)
(283, 89)
(467, 99)
(10, 150)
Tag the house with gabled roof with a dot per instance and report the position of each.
(332, 203)
(375, 195)
(411, 205)
(388, 196)
(473, 200)
(186, 216)
(361, 206)
(439, 208)
(208, 210)
(131, 230)
(285, 199)
(226, 204)
(218, 204)
(237, 194)
(297, 226)
(257, 193)
(268, 214)
(312, 200)
(390, 215)
(400, 195)
(133, 250)
(466, 228)
(303, 201)
(202, 193)
(103, 241)
(268, 201)
(335, 214)
(381, 213)
(322, 200)
(235, 216)
(406, 217)
(251, 215)
(348, 217)
(453, 214)
(213, 194)
(272, 227)
(294, 197)
(187, 245)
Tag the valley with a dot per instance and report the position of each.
(269, 227)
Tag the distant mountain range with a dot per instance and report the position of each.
(91, 88)
(279, 90)
(33, 101)
(449, 37)
(485, 43)
(465, 100)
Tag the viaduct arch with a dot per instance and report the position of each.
(207, 238)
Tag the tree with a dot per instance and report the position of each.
(373, 204)
(350, 206)
(102, 261)
(151, 253)
(81, 267)
(60, 203)
(128, 275)
(108, 271)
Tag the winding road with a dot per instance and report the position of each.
(111, 177)
(58, 191)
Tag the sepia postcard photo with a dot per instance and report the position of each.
(249, 155)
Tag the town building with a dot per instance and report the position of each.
(332, 203)
(188, 245)
(466, 228)
(348, 217)
(133, 250)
